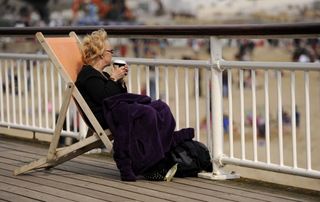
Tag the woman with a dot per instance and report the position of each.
(94, 84)
(143, 130)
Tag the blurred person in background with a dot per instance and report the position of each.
(113, 10)
(41, 7)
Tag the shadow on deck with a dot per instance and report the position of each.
(96, 178)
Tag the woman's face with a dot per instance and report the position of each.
(107, 54)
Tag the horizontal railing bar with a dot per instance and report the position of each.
(271, 167)
(191, 63)
(223, 64)
(286, 29)
(23, 56)
(140, 61)
(37, 129)
(167, 62)
(269, 65)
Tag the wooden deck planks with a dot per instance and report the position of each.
(66, 182)
(128, 189)
(179, 195)
(92, 170)
(45, 186)
(88, 178)
(79, 192)
(37, 195)
(8, 196)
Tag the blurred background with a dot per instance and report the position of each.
(165, 12)
(23, 13)
(104, 12)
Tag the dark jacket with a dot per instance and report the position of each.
(94, 87)
(143, 132)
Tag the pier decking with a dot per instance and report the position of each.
(96, 178)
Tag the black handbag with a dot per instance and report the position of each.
(192, 157)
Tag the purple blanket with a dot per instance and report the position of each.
(143, 132)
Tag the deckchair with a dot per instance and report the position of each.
(65, 54)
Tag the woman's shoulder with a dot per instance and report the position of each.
(87, 69)
(86, 72)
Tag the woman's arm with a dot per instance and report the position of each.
(99, 88)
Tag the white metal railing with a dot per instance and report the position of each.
(308, 164)
(32, 90)
(31, 95)
(305, 165)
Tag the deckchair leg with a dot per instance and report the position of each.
(63, 155)
(61, 119)
(56, 136)
(30, 166)
(77, 149)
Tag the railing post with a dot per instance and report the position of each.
(217, 114)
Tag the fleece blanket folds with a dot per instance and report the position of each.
(143, 131)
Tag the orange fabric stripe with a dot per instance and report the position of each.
(68, 53)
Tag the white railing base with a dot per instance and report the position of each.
(221, 175)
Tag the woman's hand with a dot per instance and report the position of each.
(119, 73)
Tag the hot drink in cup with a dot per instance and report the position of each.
(119, 63)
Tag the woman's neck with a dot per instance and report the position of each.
(98, 66)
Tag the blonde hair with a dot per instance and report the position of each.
(93, 46)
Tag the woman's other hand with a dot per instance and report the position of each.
(119, 73)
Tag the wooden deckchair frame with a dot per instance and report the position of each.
(95, 137)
